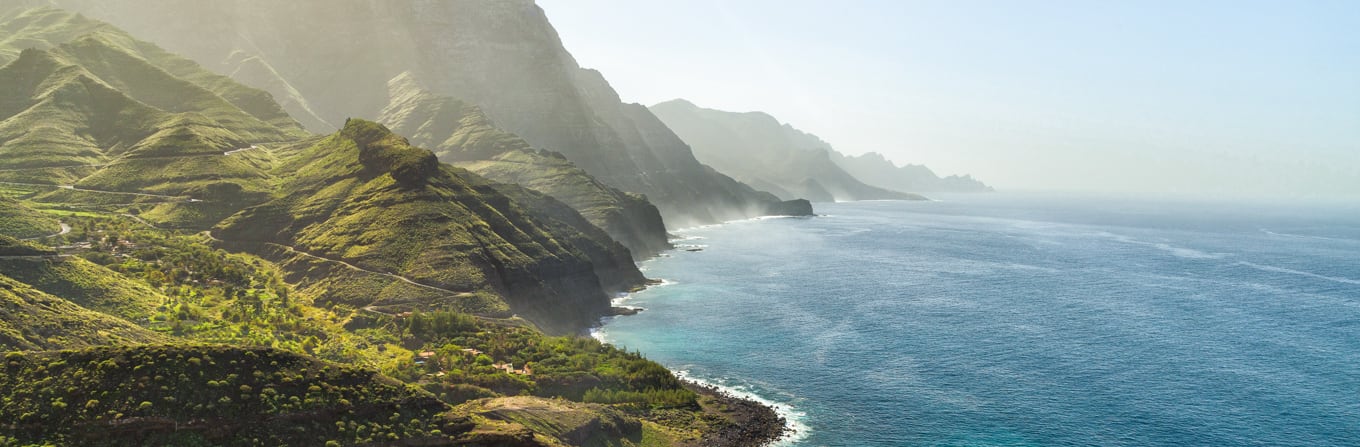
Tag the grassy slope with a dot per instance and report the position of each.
(459, 133)
(31, 319)
(203, 395)
(87, 284)
(53, 113)
(20, 221)
(148, 121)
(48, 27)
(13, 247)
(367, 197)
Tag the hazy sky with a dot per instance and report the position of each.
(1196, 96)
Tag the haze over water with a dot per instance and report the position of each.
(1025, 320)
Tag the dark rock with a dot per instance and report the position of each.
(796, 207)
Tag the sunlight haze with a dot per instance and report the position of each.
(1203, 98)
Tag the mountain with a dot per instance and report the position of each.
(461, 134)
(355, 290)
(45, 28)
(503, 56)
(89, 107)
(365, 197)
(877, 170)
(759, 150)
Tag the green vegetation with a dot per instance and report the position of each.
(351, 288)
(577, 368)
(209, 395)
(87, 284)
(31, 319)
(85, 104)
(460, 134)
(47, 28)
(559, 422)
(20, 221)
(10, 247)
(364, 198)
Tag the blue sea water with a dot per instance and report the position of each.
(1013, 320)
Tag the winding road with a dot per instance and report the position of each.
(64, 229)
(96, 191)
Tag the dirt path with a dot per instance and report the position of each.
(355, 267)
(74, 188)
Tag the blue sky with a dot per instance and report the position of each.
(1199, 97)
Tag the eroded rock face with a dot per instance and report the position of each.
(503, 56)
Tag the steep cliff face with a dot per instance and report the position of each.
(503, 56)
(758, 149)
(365, 198)
(461, 134)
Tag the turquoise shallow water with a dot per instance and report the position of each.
(1024, 321)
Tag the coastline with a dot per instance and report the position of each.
(754, 420)
(748, 423)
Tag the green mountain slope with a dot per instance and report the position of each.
(89, 285)
(501, 55)
(460, 134)
(757, 149)
(44, 28)
(365, 197)
(61, 125)
(19, 221)
(31, 319)
(56, 114)
(102, 111)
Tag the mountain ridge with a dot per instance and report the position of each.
(502, 56)
(461, 134)
(758, 149)
(764, 151)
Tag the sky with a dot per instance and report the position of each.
(1201, 97)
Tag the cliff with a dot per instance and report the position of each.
(503, 56)
(759, 150)
(365, 197)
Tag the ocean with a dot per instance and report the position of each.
(1023, 320)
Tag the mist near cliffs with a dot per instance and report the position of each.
(1212, 98)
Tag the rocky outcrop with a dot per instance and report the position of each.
(796, 207)
(503, 56)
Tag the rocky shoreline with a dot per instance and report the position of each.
(749, 423)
